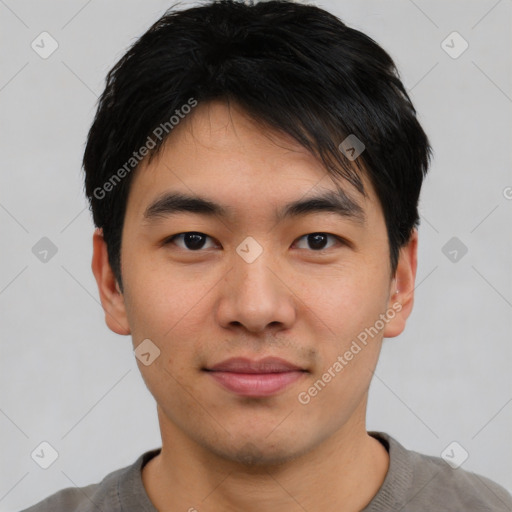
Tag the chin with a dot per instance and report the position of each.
(258, 454)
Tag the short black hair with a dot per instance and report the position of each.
(295, 68)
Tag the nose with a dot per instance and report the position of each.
(256, 296)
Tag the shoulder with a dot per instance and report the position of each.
(71, 499)
(465, 490)
(429, 483)
(105, 495)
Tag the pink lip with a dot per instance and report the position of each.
(255, 378)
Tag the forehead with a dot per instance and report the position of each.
(219, 160)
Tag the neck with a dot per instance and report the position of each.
(344, 472)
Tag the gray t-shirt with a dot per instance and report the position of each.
(413, 483)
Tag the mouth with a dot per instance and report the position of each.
(252, 378)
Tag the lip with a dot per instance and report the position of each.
(245, 365)
(261, 378)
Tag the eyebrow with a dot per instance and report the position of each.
(339, 203)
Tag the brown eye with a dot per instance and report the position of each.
(191, 240)
(318, 241)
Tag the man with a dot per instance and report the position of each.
(254, 174)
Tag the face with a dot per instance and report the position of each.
(254, 280)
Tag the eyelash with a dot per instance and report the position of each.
(171, 239)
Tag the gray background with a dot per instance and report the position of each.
(66, 379)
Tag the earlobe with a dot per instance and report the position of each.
(111, 296)
(401, 299)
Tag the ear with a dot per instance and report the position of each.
(401, 303)
(111, 297)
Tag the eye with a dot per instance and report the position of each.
(195, 241)
(192, 240)
(318, 240)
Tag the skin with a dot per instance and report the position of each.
(220, 451)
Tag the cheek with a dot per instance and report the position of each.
(351, 324)
(341, 381)
(347, 301)
(160, 301)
